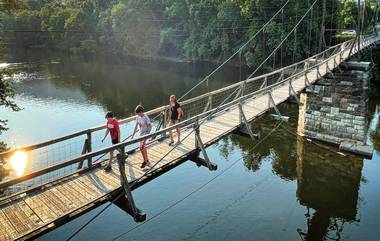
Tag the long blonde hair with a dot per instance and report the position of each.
(174, 97)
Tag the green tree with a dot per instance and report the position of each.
(196, 30)
(349, 13)
(7, 94)
(136, 29)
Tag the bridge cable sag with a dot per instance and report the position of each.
(233, 55)
(322, 39)
(283, 41)
(236, 52)
(215, 110)
(151, 168)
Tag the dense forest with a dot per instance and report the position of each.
(196, 30)
(177, 29)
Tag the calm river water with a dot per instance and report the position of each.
(284, 189)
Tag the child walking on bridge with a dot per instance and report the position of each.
(176, 113)
(113, 128)
(142, 122)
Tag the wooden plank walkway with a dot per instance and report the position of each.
(31, 214)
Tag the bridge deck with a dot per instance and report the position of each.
(30, 214)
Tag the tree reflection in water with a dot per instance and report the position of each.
(327, 183)
(279, 147)
(375, 131)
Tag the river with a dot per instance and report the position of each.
(280, 188)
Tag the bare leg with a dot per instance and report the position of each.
(145, 154)
(142, 153)
(171, 136)
(178, 134)
(109, 166)
(111, 158)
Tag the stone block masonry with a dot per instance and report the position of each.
(334, 109)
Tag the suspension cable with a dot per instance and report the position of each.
(211, 113)
(200, 187)
(151, 168)
(226, 61)
(283, 41)
(234, 54)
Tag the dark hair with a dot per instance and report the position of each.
(109, 114)
(139, 109)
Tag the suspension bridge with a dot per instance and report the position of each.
(63, 187)
(27, 211)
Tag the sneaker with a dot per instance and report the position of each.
(108, 169)
(143, 164)
(171, 143)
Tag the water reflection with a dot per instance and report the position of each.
(374, 132)
(329, 184)
(115, 84)
(62, 94)
(278, 148)
(18, 162)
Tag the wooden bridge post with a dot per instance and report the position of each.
(318, 72)
(130, 208)
(272, 103)
(89, 148)
(292, 92)
(264, 84)
(200, 147)
(244, 126)
(161, 123)
(84, 150)
(307, 82)
(164, 121)
(242, 88)
(208, 107)
(282, 75)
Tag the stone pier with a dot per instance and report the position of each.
(334, 110)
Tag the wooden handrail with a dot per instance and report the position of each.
(185, 123)
(164, 108)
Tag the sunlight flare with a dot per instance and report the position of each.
(18, 162)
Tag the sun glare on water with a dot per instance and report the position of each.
(18, 162)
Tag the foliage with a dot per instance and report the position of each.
(375, 137)
(349, 14)
(195, 30)
(3, 147)
(344, 37)
(6, 97)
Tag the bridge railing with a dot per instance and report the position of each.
(86, 156)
